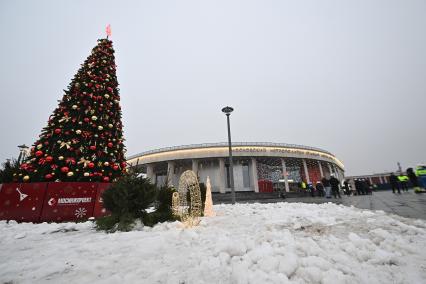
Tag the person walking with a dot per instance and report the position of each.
(320, 189)
(346, 188)
(358, 187)
(303, 187)
(394, 183)
(311, 189)
(413, 179)
(327, 187)
(403, 181)
(334, 182)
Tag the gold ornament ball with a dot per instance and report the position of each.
(70, 174)
(26, 178)
(110, 125)
(59, 141)
(74, 106)
(106, 164)
(100, 127)
(86, 174)
(78, 131)
(106, 96)
(60, 158)
(116, 101)
(94, 117)
(39, 146)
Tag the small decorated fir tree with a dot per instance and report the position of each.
(83, 139)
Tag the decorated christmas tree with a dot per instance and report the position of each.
(83, 139)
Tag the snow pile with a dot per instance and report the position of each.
(246, 243)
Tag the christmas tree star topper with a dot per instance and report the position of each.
(108, 30)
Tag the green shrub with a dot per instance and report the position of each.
(7, 171)
(127, 200)
(163, 207)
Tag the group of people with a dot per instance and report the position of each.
(400, 182)
(324, 188)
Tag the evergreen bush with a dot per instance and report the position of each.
(127, 200)
(8, 170)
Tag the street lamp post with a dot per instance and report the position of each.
(227, 110)
(22, 152)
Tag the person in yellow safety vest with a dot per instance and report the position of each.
(403, 181)
(303, 186)
(421, 171)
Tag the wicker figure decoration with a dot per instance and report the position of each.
(188, 212)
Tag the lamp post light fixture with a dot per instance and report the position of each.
(227, 110)
(23, 149)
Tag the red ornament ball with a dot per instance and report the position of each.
(49, 159)
(48, 176)
(39, 153)
(106, 179)
(91, 165)
(92, 147)
(57, 130)
(115, 167)
(110, 144)
(65, 169)
(86, 119)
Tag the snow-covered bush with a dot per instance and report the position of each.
(127, 200)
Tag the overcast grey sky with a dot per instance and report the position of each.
(346, 76)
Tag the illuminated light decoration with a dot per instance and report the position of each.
(189, 214)
(175, 204)
(221, 151)
(208, 204)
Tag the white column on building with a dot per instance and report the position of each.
(370, 180)
(150, 172)
(320, 168)
(385, 180)
(195, 166)
(329, 168)
(254, 174)
(305, 167)
(222, 175)
(336, 172)
(170, 173)
(287, 188)
(380, 179)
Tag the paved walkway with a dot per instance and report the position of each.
(406, 204)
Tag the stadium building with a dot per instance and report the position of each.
(258, 167)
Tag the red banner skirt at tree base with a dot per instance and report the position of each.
(51, 201)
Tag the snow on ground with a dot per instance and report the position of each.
(245, 243)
